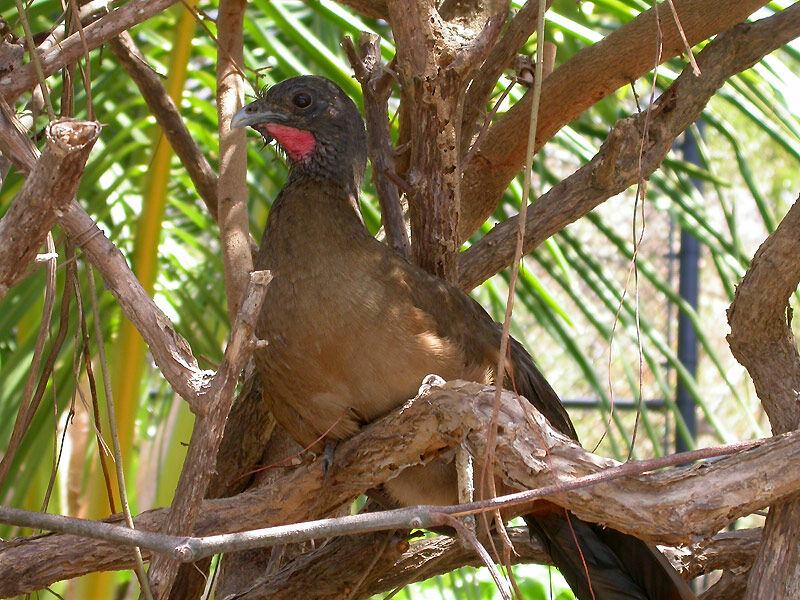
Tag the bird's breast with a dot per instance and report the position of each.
(345, 345)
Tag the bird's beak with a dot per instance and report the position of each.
(255, 114)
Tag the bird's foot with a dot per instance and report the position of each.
(327, 456)
(432, 380)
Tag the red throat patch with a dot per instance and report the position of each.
(297, 143)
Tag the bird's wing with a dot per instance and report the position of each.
(460, 318)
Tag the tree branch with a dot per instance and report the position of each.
(341, 562)
(761, 339)
(615, 167)
(198, 466)
(678, 505)
(727, 551)
(759, 316)
(519, 30)
(169, 118)
(591, 74)
(15, 145)
(376, 88)
(170, 351)
(234, 220)
(435, 59)
(96, 34)
(50, 186)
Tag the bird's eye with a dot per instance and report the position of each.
(302, 100)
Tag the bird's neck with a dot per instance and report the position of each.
(328, 165)
(310, 219)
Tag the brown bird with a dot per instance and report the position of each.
(353, 328)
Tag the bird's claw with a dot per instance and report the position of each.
(432, 380)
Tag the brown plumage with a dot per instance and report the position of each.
(353, 328)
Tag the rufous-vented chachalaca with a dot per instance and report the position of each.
(352, 329)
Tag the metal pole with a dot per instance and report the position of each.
(688, 288)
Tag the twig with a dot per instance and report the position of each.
(695, 67)
(466, 534)
(487, 475)
(295, 455)
(15, 145)
(70, 280)
(371, 566)
(169, 118)
(87, 70)
(93, 407)
(638, 237)
(485, 128)
(516, 34)
(229, 57)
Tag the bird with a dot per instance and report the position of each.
(352, 328)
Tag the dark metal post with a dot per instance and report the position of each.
(688, 288)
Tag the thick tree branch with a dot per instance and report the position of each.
(435, 59)
(428, 557)
(615, 167)
(234, 223)
(591, 74)
(375, 563)
(96, 34)
(402, 562)
(679, 505)
(731, 586)
(727, 550)
(761, 339)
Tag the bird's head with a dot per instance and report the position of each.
(316, 124)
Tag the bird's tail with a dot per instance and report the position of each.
(598, 563)
(603, 564)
